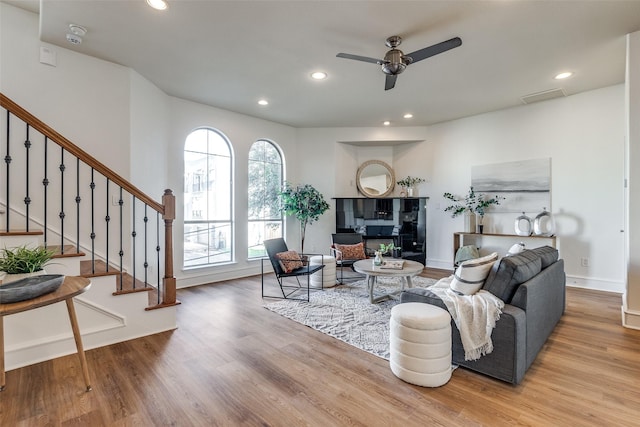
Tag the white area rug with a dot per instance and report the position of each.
(345, 313)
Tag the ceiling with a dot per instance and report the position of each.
(229, 54)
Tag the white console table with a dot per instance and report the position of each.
(459, 240)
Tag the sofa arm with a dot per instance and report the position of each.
(508, 361)
(543, 300)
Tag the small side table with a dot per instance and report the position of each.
(71, 287)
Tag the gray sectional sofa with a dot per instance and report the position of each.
(532, 285)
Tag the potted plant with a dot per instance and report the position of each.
(472, 204)
(305, 203)
(409, 183)
(20, 262)
(395, 251)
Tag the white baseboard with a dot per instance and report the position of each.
(103, 319)
(595, 284)
(195, 278)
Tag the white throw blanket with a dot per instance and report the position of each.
(474, 315)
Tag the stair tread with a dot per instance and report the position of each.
(21, 233)
(65, 251)
(100, 269)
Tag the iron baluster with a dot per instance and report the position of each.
(45, 183)
(158, 254)
(133, 240)
(78, 199)
(146, 263)
(107, 220)
(121, 253)
(62, 214)
(7, 160)
(93, 232)
(27, 199)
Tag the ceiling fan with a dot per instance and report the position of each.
(395, 61)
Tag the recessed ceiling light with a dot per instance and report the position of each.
(158, 4)
(319, 75)
(263, 102)
(387, 123)
(564, 75)
(408, 116)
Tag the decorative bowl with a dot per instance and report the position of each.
(30, 287)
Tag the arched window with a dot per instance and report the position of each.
(266, 177)
(208, 201)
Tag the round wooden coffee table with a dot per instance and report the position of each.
(366, 267)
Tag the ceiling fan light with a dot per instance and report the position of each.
(393, 68)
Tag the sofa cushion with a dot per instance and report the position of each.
(547, 254)
(470, 275)
(510, 272)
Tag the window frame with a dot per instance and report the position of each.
(281, 219)
(206, 181)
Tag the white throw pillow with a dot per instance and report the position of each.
(470, 275)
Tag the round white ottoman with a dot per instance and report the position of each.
(420, 344)
(325, 278)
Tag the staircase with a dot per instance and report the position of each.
(54, 194)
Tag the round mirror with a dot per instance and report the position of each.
(375, 178)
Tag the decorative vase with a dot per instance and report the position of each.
(377, 261)
(479, 225)
(397, 253)
(469, 222)
(544, 224)
(410, 191)
(523, 225)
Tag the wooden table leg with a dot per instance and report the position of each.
(76, 334)
(2, 378)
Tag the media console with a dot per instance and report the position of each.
(401, 220)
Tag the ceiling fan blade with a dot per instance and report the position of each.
(390, 81)
(430, 51)
(360, 58)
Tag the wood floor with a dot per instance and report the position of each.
(234, 363)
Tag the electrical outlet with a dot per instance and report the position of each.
(584, 262)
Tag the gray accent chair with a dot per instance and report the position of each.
(532, 285)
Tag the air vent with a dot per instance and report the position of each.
(543, 96)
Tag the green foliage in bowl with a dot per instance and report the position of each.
(22, 260)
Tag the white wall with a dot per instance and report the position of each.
(582, 134)
(149, 136)
(119, 119)
(631, 300)
(242, 131)
(83, 98)
(329, 161)
(584, 137)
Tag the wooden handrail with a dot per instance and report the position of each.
(167, 208)
(69, 146)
